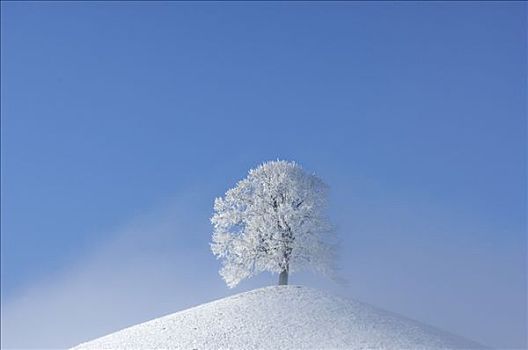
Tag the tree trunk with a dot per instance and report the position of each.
(283, 278)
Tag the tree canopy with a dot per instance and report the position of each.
(273, 220)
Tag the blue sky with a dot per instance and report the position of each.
(122, 121)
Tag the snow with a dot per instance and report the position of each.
(281, 317)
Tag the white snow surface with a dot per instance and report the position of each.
(281, 317)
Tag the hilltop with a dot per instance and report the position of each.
(285, 317)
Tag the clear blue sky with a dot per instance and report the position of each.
(414, 113)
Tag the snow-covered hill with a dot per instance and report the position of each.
(281, 317)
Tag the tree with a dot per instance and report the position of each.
(273, 220)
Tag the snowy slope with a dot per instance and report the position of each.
(280, 317)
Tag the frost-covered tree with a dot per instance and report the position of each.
(273, 220)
